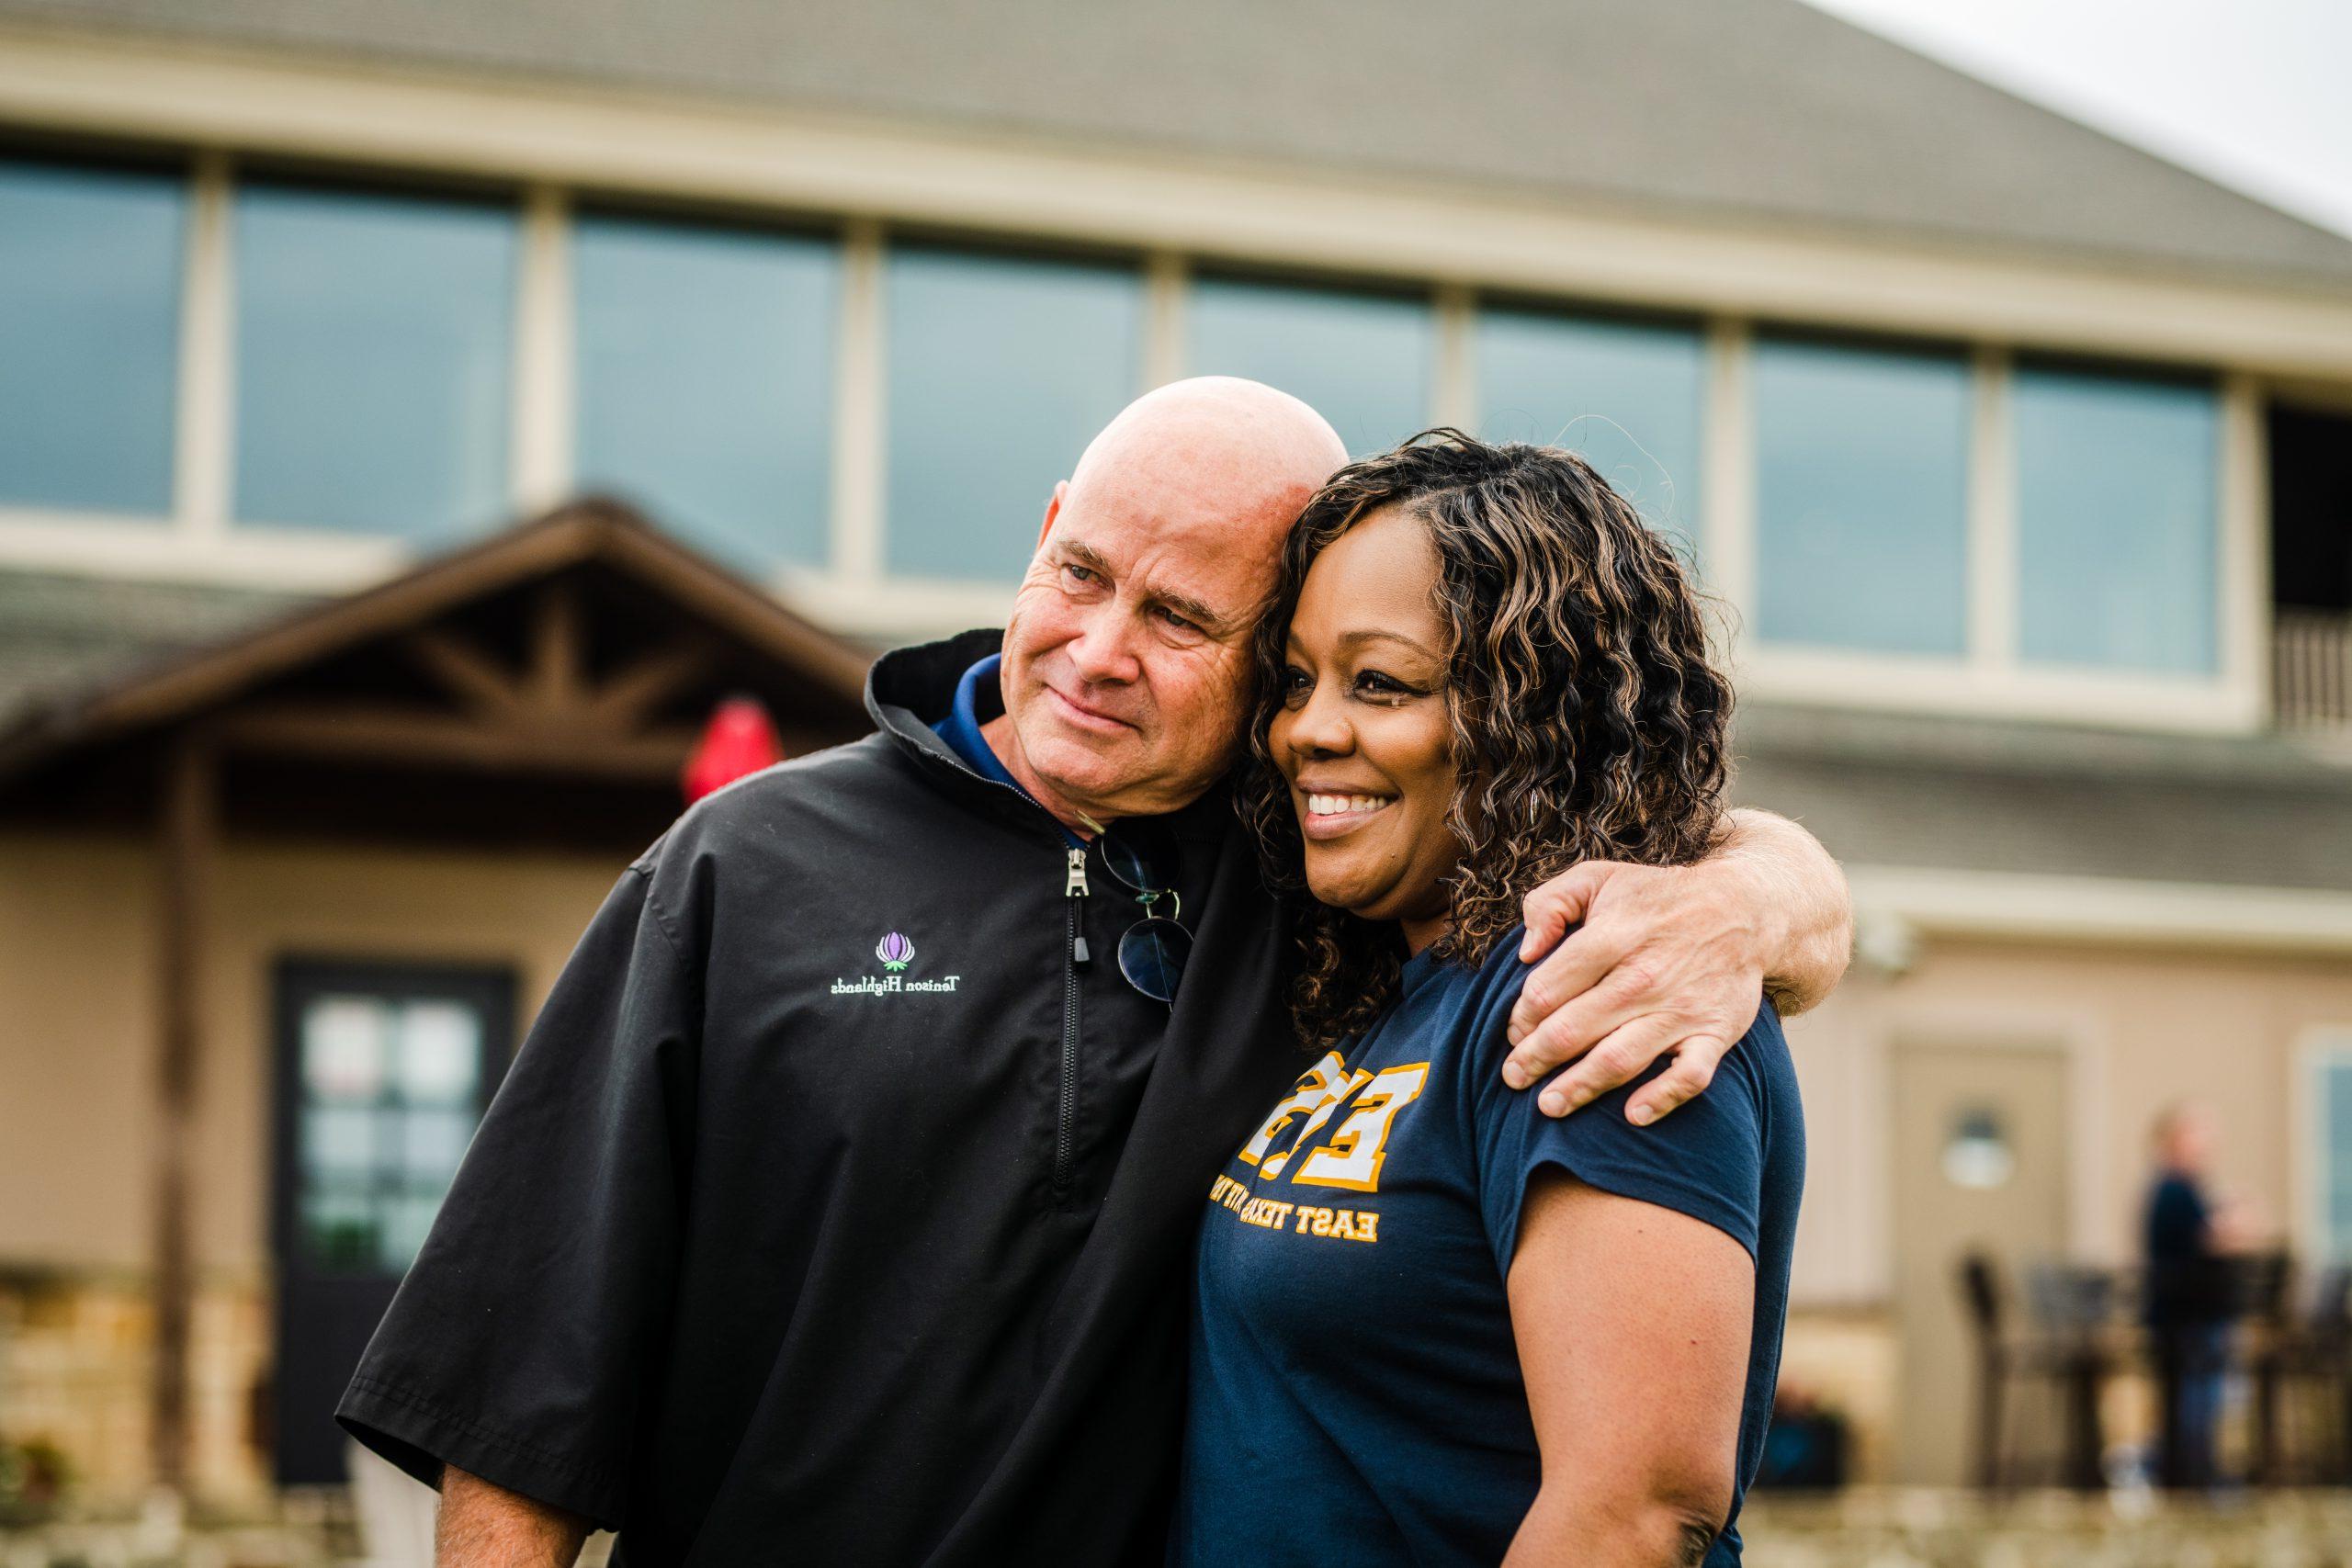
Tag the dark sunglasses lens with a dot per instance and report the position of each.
(1136, 855)
(1152, 955)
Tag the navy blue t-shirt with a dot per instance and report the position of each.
(1355, 1388)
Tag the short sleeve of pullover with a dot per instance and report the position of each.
(518, 1344)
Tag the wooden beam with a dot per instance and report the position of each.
(623, 701)
(558, 651)
(187, 830)
(382, 733)
(734, 606)
(470, 675)
(576, 535)
(546, 547)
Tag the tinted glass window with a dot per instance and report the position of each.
(89, 336)
(2116, 494)
(374, 358)
(704, 359)
(1001, 370)
(390, 1093)
(1365, 360)
(1861, 501)
(1626, 396)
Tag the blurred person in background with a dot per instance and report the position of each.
(2190, 1239)
(1433, 1324)
(838, 1206)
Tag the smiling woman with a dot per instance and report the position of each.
(1563, 1334)
(1362, 734)
(1491, 639)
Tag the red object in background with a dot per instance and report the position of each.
(738, 740)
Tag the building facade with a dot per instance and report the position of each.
(2019, 462)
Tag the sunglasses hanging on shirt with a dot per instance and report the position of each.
(1141, 856)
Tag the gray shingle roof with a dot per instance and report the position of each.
(1761, 108)
(2001, 795)
(60, 634)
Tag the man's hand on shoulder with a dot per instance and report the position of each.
(485, 1526)
(1673, 960)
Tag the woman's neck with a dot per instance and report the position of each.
(1419, 933)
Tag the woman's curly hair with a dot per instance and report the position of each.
(1587, 721)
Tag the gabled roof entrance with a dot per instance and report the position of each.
(544, 686)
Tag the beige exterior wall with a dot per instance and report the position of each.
(77, 1043)
(76, 1003)
(2140, 1027)
(77, 1030)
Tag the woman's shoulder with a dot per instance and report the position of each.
(1710, 1158)
(1758, 1060)
(1481, 993)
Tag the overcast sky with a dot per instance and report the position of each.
(2256, 94)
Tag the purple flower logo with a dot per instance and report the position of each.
(895, 952)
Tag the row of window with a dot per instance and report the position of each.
(373, 352)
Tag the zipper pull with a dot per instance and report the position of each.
(1077, 888)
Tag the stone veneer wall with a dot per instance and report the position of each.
(1847, 1359)
(76, 1348)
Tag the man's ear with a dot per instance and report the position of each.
(1053, 510)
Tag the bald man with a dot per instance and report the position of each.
(838, 1208)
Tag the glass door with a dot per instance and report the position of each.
(383, 1072)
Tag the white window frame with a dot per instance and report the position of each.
(2318, 1049)
(546, 383)
(1990, 678)
(199, 540)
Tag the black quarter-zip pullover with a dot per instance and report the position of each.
(838, 1208)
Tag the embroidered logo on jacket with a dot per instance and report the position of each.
(896, 953)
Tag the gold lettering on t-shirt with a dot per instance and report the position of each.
(1356, 1152)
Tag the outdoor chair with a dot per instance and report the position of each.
(2302, 1366)
(2062, 1354)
